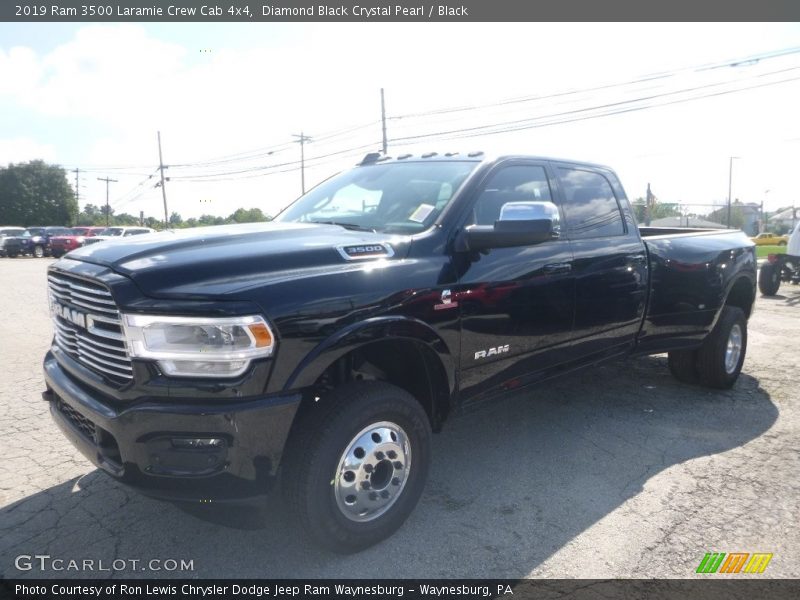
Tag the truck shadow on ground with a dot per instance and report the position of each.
(510, 484)
(789, 294)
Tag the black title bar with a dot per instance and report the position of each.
(396, 10)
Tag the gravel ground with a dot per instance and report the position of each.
(616, 472)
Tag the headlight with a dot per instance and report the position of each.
(199, 347)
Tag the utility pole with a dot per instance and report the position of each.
(163, 189)
(108, 210)
(383, 123)
(648, 206)
(730, 183)
(77, 186)
(302, 139)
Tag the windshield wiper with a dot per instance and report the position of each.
(349, 226)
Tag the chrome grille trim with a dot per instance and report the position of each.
(101, 345)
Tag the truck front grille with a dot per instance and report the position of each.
(87, 325)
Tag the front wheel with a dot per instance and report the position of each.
(782, 243)
(720, 358)
(769, 279)
(356, 465)
(38, 251)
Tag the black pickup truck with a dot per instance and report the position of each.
(327, 345)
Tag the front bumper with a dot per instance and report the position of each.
(133, 441)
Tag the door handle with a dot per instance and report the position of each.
(553, 268)
(636, 258)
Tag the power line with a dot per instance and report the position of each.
(123, 199)
(270, 150)
(204, 176)
(640, 79)
(511, 125)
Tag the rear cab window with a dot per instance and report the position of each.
(591, 208)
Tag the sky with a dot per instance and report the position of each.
(665, 104)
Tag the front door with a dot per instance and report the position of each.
(517, 304)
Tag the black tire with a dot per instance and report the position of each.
(318, 442)
(782, 243)
(711, 357)
(683, 365)
(769, 279)
(12, 255)
(38, 251)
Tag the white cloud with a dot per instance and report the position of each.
(17, 150)
(124, 84)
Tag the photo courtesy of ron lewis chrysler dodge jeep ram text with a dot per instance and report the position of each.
(326, 346)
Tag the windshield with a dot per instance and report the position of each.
(10, 232)
(391, 198)
(112, 231)
(79, 230)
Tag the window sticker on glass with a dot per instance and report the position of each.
(421, 213)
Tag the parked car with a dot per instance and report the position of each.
(61, 244)
(116, 233)
(327, 345)
(770, 239)
(7, 235)
(35, 241)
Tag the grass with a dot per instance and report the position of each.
(762, 251)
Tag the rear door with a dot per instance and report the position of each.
(610, 261)
(517, 303)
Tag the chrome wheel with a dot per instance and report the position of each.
(734, 349)
(38, 251)
(372, 471)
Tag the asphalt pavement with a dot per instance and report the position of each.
(619, 471)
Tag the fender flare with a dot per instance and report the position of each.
(366, 332)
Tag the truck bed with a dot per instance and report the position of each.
(691, 273)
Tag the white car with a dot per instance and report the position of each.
(113, 233)
(6, 232)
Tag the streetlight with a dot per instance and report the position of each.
(730, 182)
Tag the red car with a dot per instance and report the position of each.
(62, 244)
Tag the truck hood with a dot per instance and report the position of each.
(216, 261)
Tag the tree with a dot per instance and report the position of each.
(210, 220)
(658, 210)
(175, 220)
(251, 215)
(125, 220)
(721, 216)
(35, 193)
(90, 215)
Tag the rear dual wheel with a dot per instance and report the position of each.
(718, 362)
(356, 465)
(769, 279)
